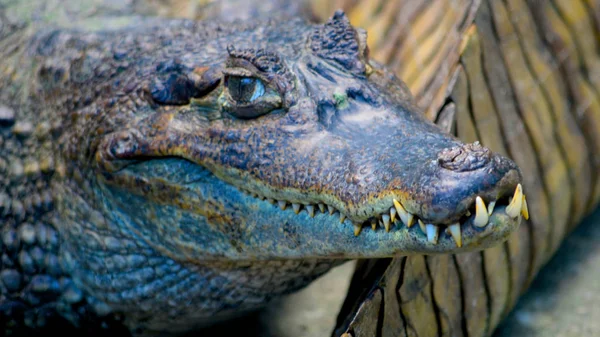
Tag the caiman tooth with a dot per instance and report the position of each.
(296, 208)
(454, 230)
(282, 204)
(331, 209)
(433, 233)
(411, 220)
(516, 204)
(393, 214)
(422, 226)
(342, 218)
(357, 229)
(404, 215)
(271, 201)
(525, 209)
(491, 206)
(374, 224)
(400, 209)
(311, 210)
(481, 213)
(386, 222)
(322, 207)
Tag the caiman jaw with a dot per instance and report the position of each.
(476, 217)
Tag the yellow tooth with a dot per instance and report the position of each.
(271, 201)
(468, 213)
(322, 208)
(373, 224)
(296, 208)
(400, 209)
(386, 222)
(455, 232)
(514, 208)
(331, 209)
(393, 214)
(410, 220)
(433, 232)
(357, 229)
(311, 210)
(342, 218)
(282, 204)
(404, 215)
(481, 213)
(491, 206)
(422, 226)
(525, 209)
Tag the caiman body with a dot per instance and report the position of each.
(159, 175)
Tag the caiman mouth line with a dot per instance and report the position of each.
(397, 216)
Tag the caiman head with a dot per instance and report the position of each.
(284, 141)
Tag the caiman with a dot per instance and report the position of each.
(162, 174)
(159, 175)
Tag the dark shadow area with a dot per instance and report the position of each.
(247, 326)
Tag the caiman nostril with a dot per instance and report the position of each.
(463, 158)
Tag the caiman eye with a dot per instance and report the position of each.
(249, 97)
(245, 89)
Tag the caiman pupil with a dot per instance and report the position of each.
(245, 89)
(247, 96)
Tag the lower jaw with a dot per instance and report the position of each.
(481, 227)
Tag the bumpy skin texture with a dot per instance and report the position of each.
(126, 154)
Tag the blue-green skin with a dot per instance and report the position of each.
(155, 159)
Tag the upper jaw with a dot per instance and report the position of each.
(436, 199)
(443, 200)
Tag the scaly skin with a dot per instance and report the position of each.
(139, 161)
